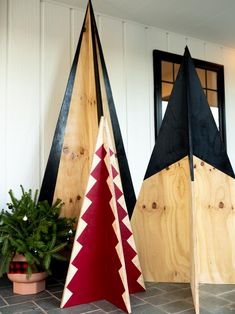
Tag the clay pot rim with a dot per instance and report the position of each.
(15, 277)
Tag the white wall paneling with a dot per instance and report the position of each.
(76, 26)
(156, 39)
(113, 54)
(3, 79)
(37, 43)
(229, 75)
(22, 118)
(176, 43)
(55, 65)
(213, 53)
(197, 48)
(137, 101)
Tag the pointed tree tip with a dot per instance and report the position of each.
(186, 51)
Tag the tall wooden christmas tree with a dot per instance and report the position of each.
(184, 221)
(88, 96)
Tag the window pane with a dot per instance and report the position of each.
(212, 98)
(202, 76)
(176, 70)
(211, 80)
(167, 71)
(166, 91)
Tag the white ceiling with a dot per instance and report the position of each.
(210, 20)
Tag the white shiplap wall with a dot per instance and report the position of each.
(37, 44)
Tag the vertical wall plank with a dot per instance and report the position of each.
(137, 102)
(22, 118)
(196, 48)
(156, 39)
(213, 53)
(229, 77)
(3, 76)
(176, 43)
(111, 31)
(77, 20)
(55, 66)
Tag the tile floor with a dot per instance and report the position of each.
(159, 298)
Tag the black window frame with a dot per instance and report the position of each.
(158, 57)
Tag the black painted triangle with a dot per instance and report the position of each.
(50, 176)
(188, 127)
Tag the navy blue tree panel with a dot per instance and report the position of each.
(83, 96)
(188, 127)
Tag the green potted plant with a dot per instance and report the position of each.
(32, 233)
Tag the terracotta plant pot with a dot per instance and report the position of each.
(23, 283)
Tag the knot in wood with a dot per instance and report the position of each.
(154, 205)
(65, 150)
(221, 205)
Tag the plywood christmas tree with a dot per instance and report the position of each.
(104, 262)
(184, 221)
(88, 96)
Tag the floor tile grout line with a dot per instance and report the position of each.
(184, 311)
(40, 308)
(52, 295)
(4, 301)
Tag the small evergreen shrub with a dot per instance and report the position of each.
(34, 229)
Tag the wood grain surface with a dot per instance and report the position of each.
(194, 259)
(160, 224)
(215, 210)
(81, 132)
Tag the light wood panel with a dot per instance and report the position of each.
(215, 205)
(194, 260)
(81, 132)
(160, 225)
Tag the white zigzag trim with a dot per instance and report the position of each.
(66, 296)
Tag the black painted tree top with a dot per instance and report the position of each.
(188, 127)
